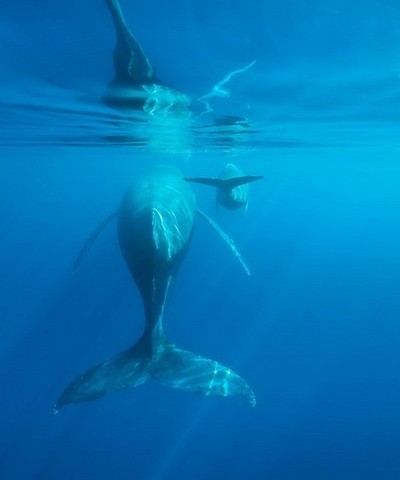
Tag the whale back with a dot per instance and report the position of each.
(155, 223)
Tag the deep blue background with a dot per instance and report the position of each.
(314, 330)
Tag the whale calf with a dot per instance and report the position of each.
(232, 186)
(155, 227)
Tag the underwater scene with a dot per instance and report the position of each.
(199, 243)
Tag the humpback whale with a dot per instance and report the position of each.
(155, 226)
(232, 186)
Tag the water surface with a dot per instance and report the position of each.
(315, 328)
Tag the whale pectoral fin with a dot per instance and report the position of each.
(90, 241)
(242, 180)
(125, 370)
(184, 370)
(227, 240)
(212, 181)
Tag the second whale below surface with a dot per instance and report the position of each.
(232, 186)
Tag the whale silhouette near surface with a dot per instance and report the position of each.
(155, 225)
(136, 85)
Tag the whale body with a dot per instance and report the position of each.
(155, 226)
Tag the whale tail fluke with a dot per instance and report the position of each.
(178, 368)
(124, 370)
(225, 183)
(167, 365)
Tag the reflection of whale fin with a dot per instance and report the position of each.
(90, 241)
(227, 183)
(167, 365)
(226, 239)
(130, 63)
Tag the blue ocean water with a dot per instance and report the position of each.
(314, 330)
